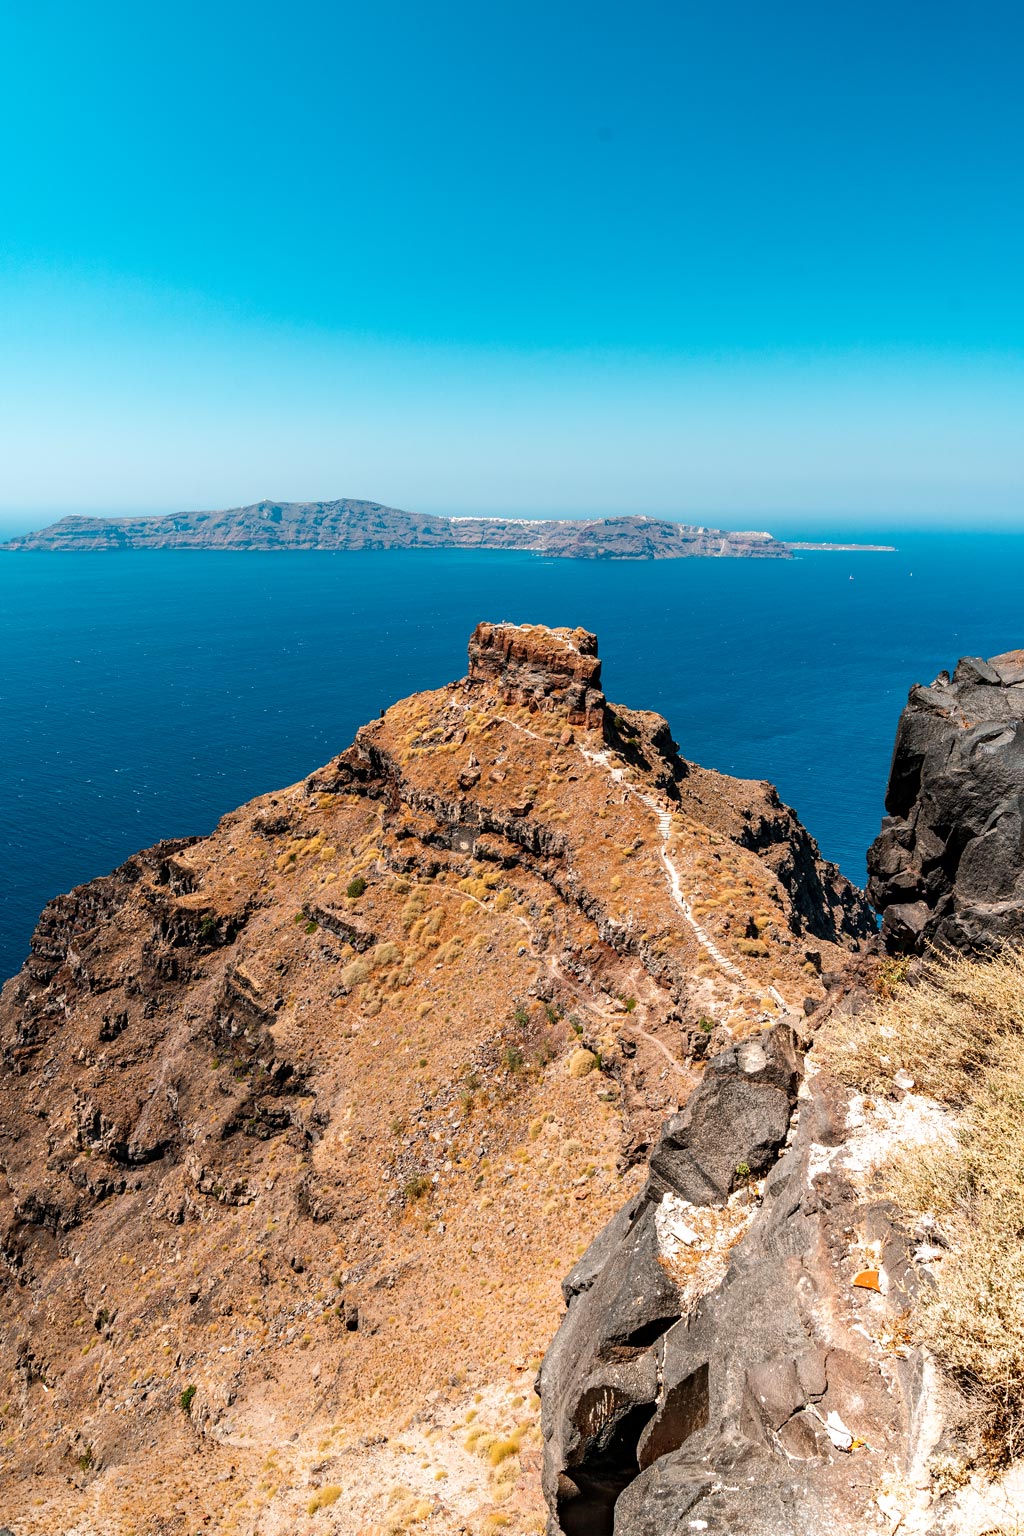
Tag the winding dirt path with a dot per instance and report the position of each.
(664, 819)
(728, 967)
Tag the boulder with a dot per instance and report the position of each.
(733, 1124)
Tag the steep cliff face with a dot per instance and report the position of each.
(948, 865)
(301, 1123)
(550, 669)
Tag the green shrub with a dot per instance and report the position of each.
(512, 1058)
(185, 1400)
(356, 887)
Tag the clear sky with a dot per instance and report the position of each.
(730, 260)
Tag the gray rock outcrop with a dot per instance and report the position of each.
(716, 1369)
(948, 866)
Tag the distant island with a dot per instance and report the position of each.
(350, 524)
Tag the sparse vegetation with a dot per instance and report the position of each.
(501, 1450)
(355, 888)
(512, 1059)
(957, 1033)
(185, 1400)
(323, 1498)
(892, 975)
(581, 1062)
(356, 971)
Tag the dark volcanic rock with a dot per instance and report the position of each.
(948, 866)
(750, 1090)
(671, 1405)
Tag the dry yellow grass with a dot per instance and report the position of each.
(958, 1031)
(323, 1498)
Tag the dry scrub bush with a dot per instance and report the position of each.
(958, 1030)
(356, 972)
(323, 1497)
(386, 954)
(406, 1510)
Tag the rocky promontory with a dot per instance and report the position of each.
(301, 1123)
(513, 1050)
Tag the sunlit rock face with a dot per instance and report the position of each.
(540, 668)
(948, 866)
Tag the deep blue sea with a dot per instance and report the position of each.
(144, 694)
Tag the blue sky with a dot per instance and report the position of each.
(756, 263)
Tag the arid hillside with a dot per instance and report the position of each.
(810, 1316)
(302, 1123)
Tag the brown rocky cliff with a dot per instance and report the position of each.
(539, 668)
(301, 1123)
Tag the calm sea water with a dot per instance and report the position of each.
(144, 694)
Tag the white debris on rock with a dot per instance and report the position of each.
(695, 1241)
(834, 1427)
(878, 1128)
